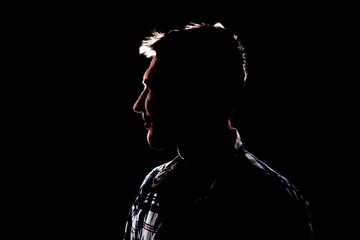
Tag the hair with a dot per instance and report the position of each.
(205, 58)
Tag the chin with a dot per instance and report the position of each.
(158, 141)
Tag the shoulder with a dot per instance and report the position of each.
(273, 178)
(161, 172)
(279, 200)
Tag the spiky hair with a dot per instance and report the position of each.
(217, 36)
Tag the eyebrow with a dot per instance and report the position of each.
(145, 78)
(145, 81)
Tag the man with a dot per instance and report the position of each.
(214, 188)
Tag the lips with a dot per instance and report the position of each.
(146, 122)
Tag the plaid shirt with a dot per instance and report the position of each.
(284, 217)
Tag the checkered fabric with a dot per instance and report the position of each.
(146, 220)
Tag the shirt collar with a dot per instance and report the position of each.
(178, 162)
(237, 142)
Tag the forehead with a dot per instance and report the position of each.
(150, 68)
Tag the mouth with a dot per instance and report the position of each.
(147, 125)
(146, 122)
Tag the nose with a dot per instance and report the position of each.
(139, 105)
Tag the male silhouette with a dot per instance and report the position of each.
(214, 188)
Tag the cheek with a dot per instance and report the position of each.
(154, 103)
(148, 101)
(161, 107)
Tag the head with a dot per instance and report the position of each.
(192, 84)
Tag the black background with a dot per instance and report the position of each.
(84, 151)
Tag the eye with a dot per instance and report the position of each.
(149, 85)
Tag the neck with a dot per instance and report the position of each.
(206, 148)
